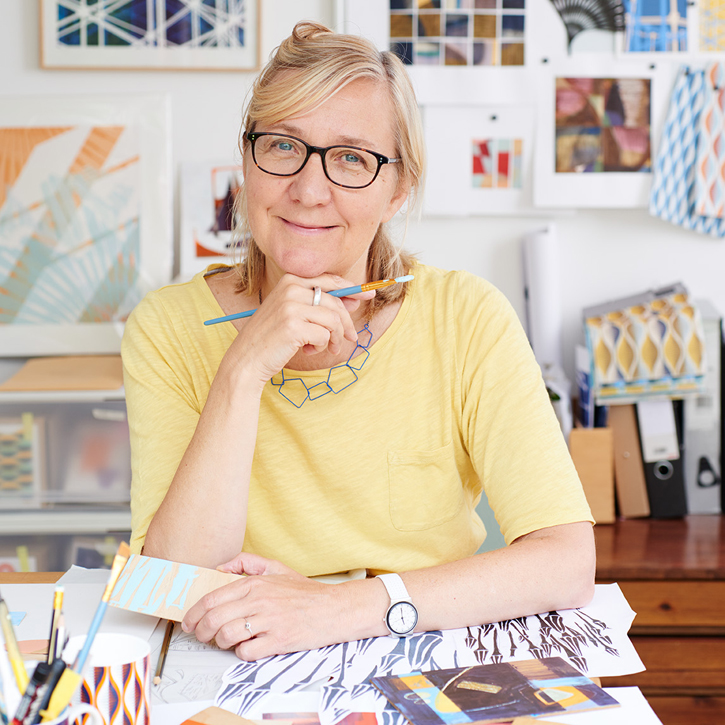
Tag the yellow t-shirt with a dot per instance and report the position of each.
(386, 474)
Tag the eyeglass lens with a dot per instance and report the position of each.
(285, 156)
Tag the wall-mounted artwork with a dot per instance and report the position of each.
(712, 25)
(186, 34)
(602, 125)
(85, 212)
(656, 26)
(594, 135)
(458, 32)
(479, 159)
(208, 192)
(22, 461)
(497, 163)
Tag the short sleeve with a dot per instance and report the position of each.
(162, 412)
(512, 433)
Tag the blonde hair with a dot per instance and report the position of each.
(310, 66)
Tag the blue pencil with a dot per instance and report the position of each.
(335, 293)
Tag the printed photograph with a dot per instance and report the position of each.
(602, 125)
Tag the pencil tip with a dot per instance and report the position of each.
(157, 680)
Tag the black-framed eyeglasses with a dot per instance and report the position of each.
(347, 166)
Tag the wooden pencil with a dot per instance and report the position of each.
(164, 651)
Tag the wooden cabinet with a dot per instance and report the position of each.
(672, 573)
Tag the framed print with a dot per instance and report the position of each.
(163, 34)
(85, 219)
(479, 159)
(208, 192)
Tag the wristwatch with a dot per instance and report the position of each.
(402, 616)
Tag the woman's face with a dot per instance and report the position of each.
(306, 225)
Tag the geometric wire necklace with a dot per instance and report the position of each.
(339, 377)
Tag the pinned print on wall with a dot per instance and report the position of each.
(84, 219)
(497, 163)
(602, 125)
(712, 25)
(188, 34)
(208, 193)
(654, 26)
(594, 134)
(458, 32)
(485, 165)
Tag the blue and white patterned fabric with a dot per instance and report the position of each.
(674, 187)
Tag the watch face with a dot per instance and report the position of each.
(402, 618)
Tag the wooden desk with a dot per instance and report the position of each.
(30, 577)
(672, 573)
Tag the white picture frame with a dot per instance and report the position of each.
(91, 193)
(129, 35)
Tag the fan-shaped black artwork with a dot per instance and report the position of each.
(581, 15)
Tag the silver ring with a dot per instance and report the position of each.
(318, 296)
(248, 627)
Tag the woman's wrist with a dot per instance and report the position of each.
(362, 605)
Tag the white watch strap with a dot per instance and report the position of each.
(396, 587)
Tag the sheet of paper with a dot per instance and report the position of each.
(79, 605)
(193, 670)
(593, 639)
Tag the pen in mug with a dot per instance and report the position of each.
(56, 670)
(30, 701)
(71, 677)
(16, 661)
(344, 292)
(54, 620)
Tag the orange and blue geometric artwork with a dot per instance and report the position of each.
(69, 220)
(497, 163)
(602, 125)
(710, 168)
(492, 693)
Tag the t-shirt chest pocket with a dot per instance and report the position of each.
(425, 488)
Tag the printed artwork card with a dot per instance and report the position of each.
(492, 693)
(163, 588)
(208, 218)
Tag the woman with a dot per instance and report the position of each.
(323, 435)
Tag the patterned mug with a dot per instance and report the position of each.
(116, 678)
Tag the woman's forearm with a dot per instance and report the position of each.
(549, 569)
(202, 519)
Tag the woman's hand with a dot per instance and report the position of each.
(287, 322)
(271, 611)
